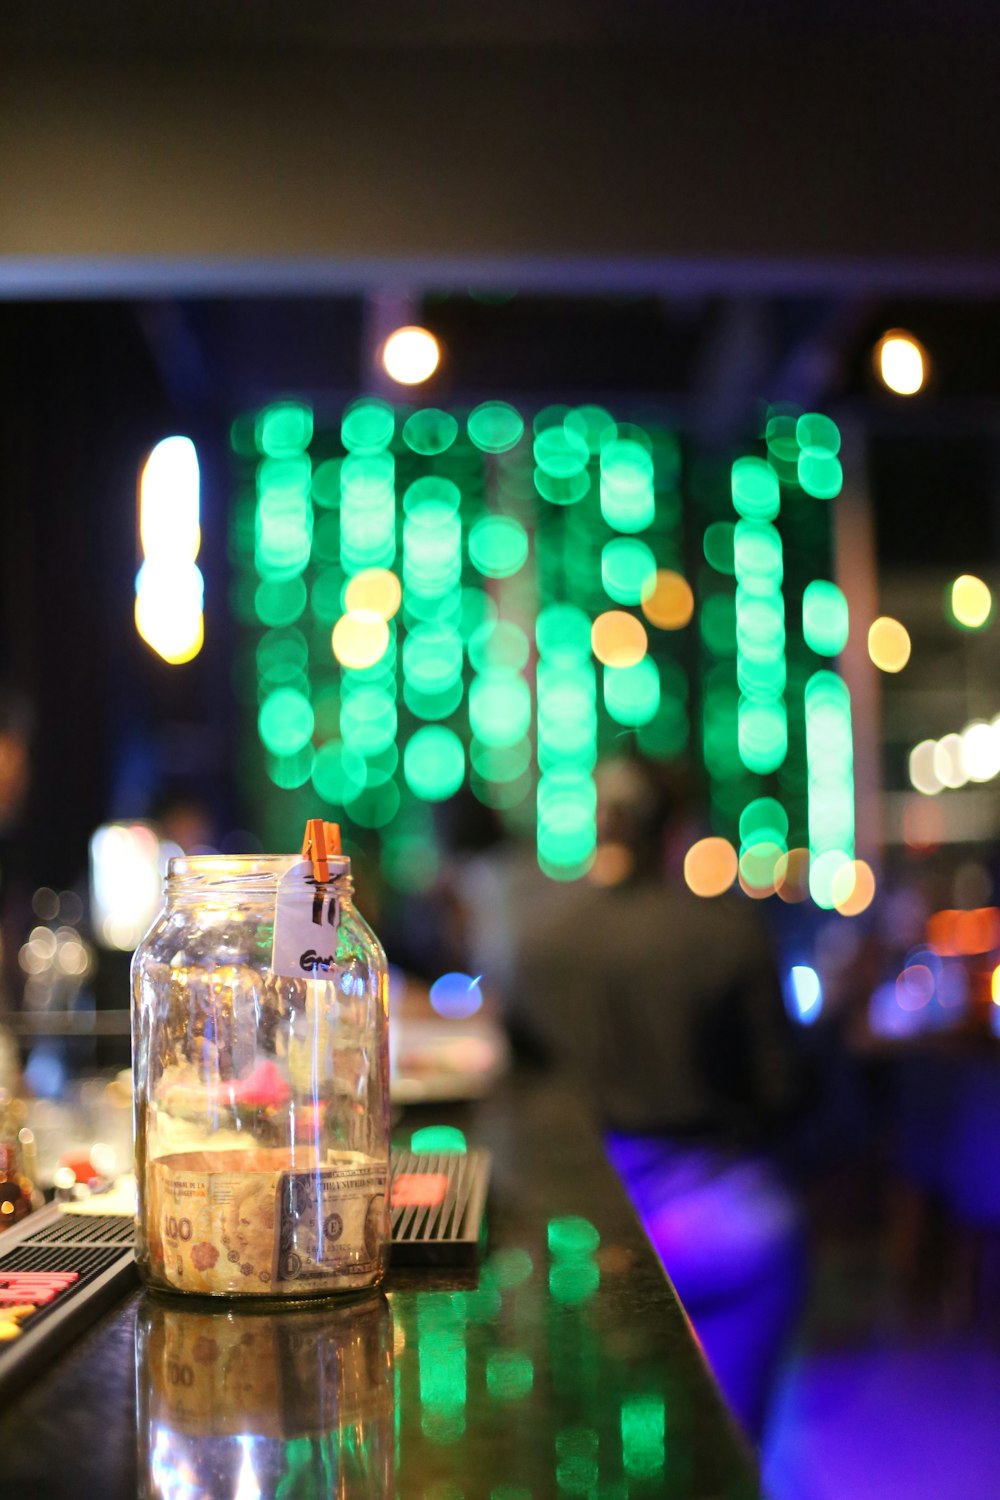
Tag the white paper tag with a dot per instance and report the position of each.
(306, 916)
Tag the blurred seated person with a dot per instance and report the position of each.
(668, 1009)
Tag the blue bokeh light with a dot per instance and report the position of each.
(805, 994)
(456, 996)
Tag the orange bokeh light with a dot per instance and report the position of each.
(668, 601)
(791, 876)
(710, 866)
(618, 639)
(854, 888)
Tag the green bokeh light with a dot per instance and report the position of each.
(430, 432)
(286, 427)
(501, 763)
(498, 546)
(562, 633)
(433, 705)
(281, 656)
(718, 545)
(375, 807)
(632, 694)
(627, 500)
(757, 556)
(432, 658)
(562, 489)
(756, 494)
(762, 730)
(820, 475)
(499, 708)
(817, 434)
(499, 644)
(367, 426)
(761, 675)
(780, 436)
(285, 721)
(495, 427)
(823, 871)
(438, 1139)
(476, 608)
(718, 624)
(628, 567)
(368, 720)
(326, 484)
(590, 423)
(761, 818)
(825, 622)
(560, 452)
(338, 773)
(434, 763)
(433, 488)
(290, 771)
(280, 601)
(666, 734)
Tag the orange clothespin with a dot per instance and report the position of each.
(314, 848)
(320, 844)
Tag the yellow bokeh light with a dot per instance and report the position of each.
(971, 601)
(374, 589)
(668, 601)
(853, 888)
(888, 644)
(995, 985)
(410, 355)
(618, 639)
(901, 362)
(360, 638)
(176, 634)
(791, 876)
(710, 867)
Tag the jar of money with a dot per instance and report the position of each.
(261, 1063)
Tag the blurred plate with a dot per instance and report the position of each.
(440, 1061)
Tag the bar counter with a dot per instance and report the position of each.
(561, 1368)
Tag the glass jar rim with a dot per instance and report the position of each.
(232, 872)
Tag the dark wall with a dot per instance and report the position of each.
(80, 403)
(738, 139)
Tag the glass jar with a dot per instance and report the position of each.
(253, 1401)
(261, 1062)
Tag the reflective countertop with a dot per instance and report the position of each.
(563, 1367)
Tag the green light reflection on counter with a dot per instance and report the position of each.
(509, 1268)
(509, 1375)
(573, 1282)
(576, 1452)
(441, 1360)
(485, 1303)
(446, 1139)
(643, 1430)
(571, 1237)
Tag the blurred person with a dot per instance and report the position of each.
(668, 1010)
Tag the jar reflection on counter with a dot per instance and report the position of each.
(284, 1403)
(261, 1097)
